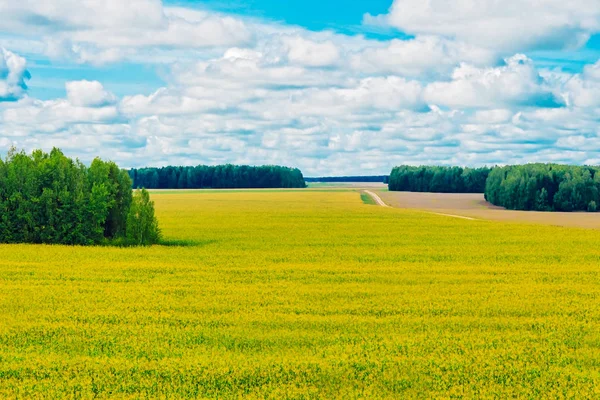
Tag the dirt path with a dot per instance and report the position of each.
(474, 206)
(382, 204)
(376, 198)
(454, 216)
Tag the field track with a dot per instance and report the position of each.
(456, 216)
(382, 203)
(376, 198)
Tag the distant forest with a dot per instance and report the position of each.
(217, 177)
(545, 187)
(438, 179)
(378, 178)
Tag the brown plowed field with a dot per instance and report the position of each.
(475, 206)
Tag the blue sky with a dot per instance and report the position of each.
(336, 87)
(342, 16)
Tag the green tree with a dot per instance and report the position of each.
(544, 187)
(142, 225)
(50, 198)
(541, 201)
(217, 177)
(592, 207)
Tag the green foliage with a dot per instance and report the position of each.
(438, 179)
(50, 198)
(592, 207)
(142, 226)
(544, 187)
(217, 177)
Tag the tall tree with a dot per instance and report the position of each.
(50, 198)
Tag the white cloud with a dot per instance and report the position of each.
(580, 90)
(497, 116)
(106, 31)
(246, 68)
(368, 97)
(421, 56)
(165, 102)
(512, 25)
(88, 94)
(13, 74)
(53, 116)
(517, 83)
(309, 53)
(592, 72)
(82, 14)
(583, 92)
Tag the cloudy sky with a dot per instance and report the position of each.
(333, 87)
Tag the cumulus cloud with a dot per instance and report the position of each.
(53, 115)
(421, 56)
(87, 104)
(512, 25)
(106, 31)
(169, 102)
(13, 74)
(88, 94)
(583, 90)
(362, 125)
(309, 53)
(366, 99)
(517, 83)
(248, 68)
(592, 72)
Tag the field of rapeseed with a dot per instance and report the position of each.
(304, 294)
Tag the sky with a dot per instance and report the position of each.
(333, 87)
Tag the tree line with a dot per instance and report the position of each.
(217, 177)
(369, 179)
(545, 187)
(52, 199)
(438, 179)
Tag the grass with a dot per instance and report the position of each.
(302, 295)
(366, 199)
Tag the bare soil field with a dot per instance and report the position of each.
(475, 206)
(351, 185)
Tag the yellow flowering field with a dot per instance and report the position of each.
(305, 294)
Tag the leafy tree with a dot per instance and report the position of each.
(541, 202)
(142, 225)
(592, 207)
(438, 179)
(544, 187)
(50, 198)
